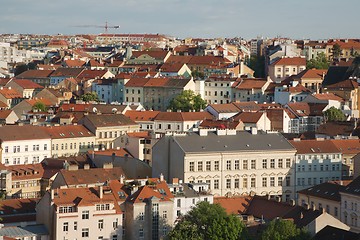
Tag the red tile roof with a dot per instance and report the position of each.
(171, 67)
(35, 74)
(312, 73)
(27, 84)
(248, 117)
(154, 54)
(4, 113)
(139, 116)
(156, 82)
(10, 93)
(183, 116)
(26, 132)
(68, 131)
(137, 82)
(347, 146)
(45, 101)
(152, 190)
(143, 134)
(292, 61)
(314, 146)
(233, 205)
(249, 83)
(328, 96)
(109, 152)
(26, 171)
(75, 63)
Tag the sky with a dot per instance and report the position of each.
(306, 19)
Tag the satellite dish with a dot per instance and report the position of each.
(94, 109)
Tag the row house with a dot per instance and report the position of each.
(312, 49)
(253, 120)
(175, 69)
(144, 118)
(156, 93)
(349, 149)
(217, 90)
(60, 74)
(77, 213)
(285, 67)
(41, 77)
(317, 161)
(349, 48)
(311, 79)
(350, 205)
(10, 96)
(70, 140)
(88, 78)
(108, 127)
(179, 121)
(250, 89)
(305, 117)
(24, 144)
(8, 116)
(294, 92)
(230, 162)
(148, 57)
(26, 87)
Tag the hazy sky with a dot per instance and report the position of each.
(314, 19)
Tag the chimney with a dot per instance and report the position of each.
(161, 177)
(101, 192)
(122, 179)
(254, 131)
(52, 193)
(87, 166)
(175, 181)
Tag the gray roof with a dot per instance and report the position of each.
(27, 231)
(109, 120)
(242, 141)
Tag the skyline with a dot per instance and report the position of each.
(184, 18)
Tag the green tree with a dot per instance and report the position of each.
(186, 101)
(90, 96)
(39, 106)
(208, 221)
(336, 51)
(320, 62)
(279, 229)
(22, 67)
(257, 63)
(334, 114)
(198, 74)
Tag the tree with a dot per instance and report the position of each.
(186, 101)
(198, 74)
(334, 114)
(279, 229)
(90, 96)
(39, 106)
(320, 62)
(257, 63)
(336, 51)
(208, 221)
(22, 67)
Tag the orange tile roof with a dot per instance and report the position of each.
(109, 152)
(293, 61)
(171, 67)
(26, 171)
(312, 73)
(328, 96)
(314, 146)
(137, 82)
(234, 205)
(75, 63)
(245, 84)
(248, 117)
(143, 134)
(154, 54)
(45, 101)
(139, 116)
(68, 131)
(10, 93)
(178, 59)
(35, 74)
(183, 116)
(27, 84)
(91, 74)
(4, 113)
(347, 146)
(346, 44)
(156, 82)
(148, 191)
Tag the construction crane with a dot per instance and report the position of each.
(105, 27)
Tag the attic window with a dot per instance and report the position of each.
(312, 149)
(121, 194)
(81, 133)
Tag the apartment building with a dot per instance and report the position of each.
(230, 162)
(317, 161)
(285, 67)
(218, 90)
(350, 205)
(24, 144)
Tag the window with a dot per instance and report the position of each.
(141, 216)
(280, 163)
(65, 227)
(264, 163)
(115, 223)
(228, 183)
(245, 164)
(237, 165)
(216, 165)
(253, 182)
(216, 184)
(237, 183)
(287, 181)
(192, 166)
(272, 163)
(169, 126)
(208, 166)
(228, 165)
(45, 147)
(7, 149)
(245, 183)
(264, 182)
(85, 232)
(253, 164)
(26, 148)
(309, 181)
(200, 166)
(272, 181)
(101, 223)
(288, 162)
(335, 211)
(280, 179)
(178, 203)
(164, 215)
(75, 226)
(141, 233)
(85, 215)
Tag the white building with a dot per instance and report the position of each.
(350, 205)
(24, 144)
(230, 162)
(317, 161)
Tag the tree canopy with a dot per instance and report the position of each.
(320, 62)
(334, 114)
(186, 101)
(208, 221)
(336, 51)
(279, 229)
(39, 106)
(90, 96)
(257, 63)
